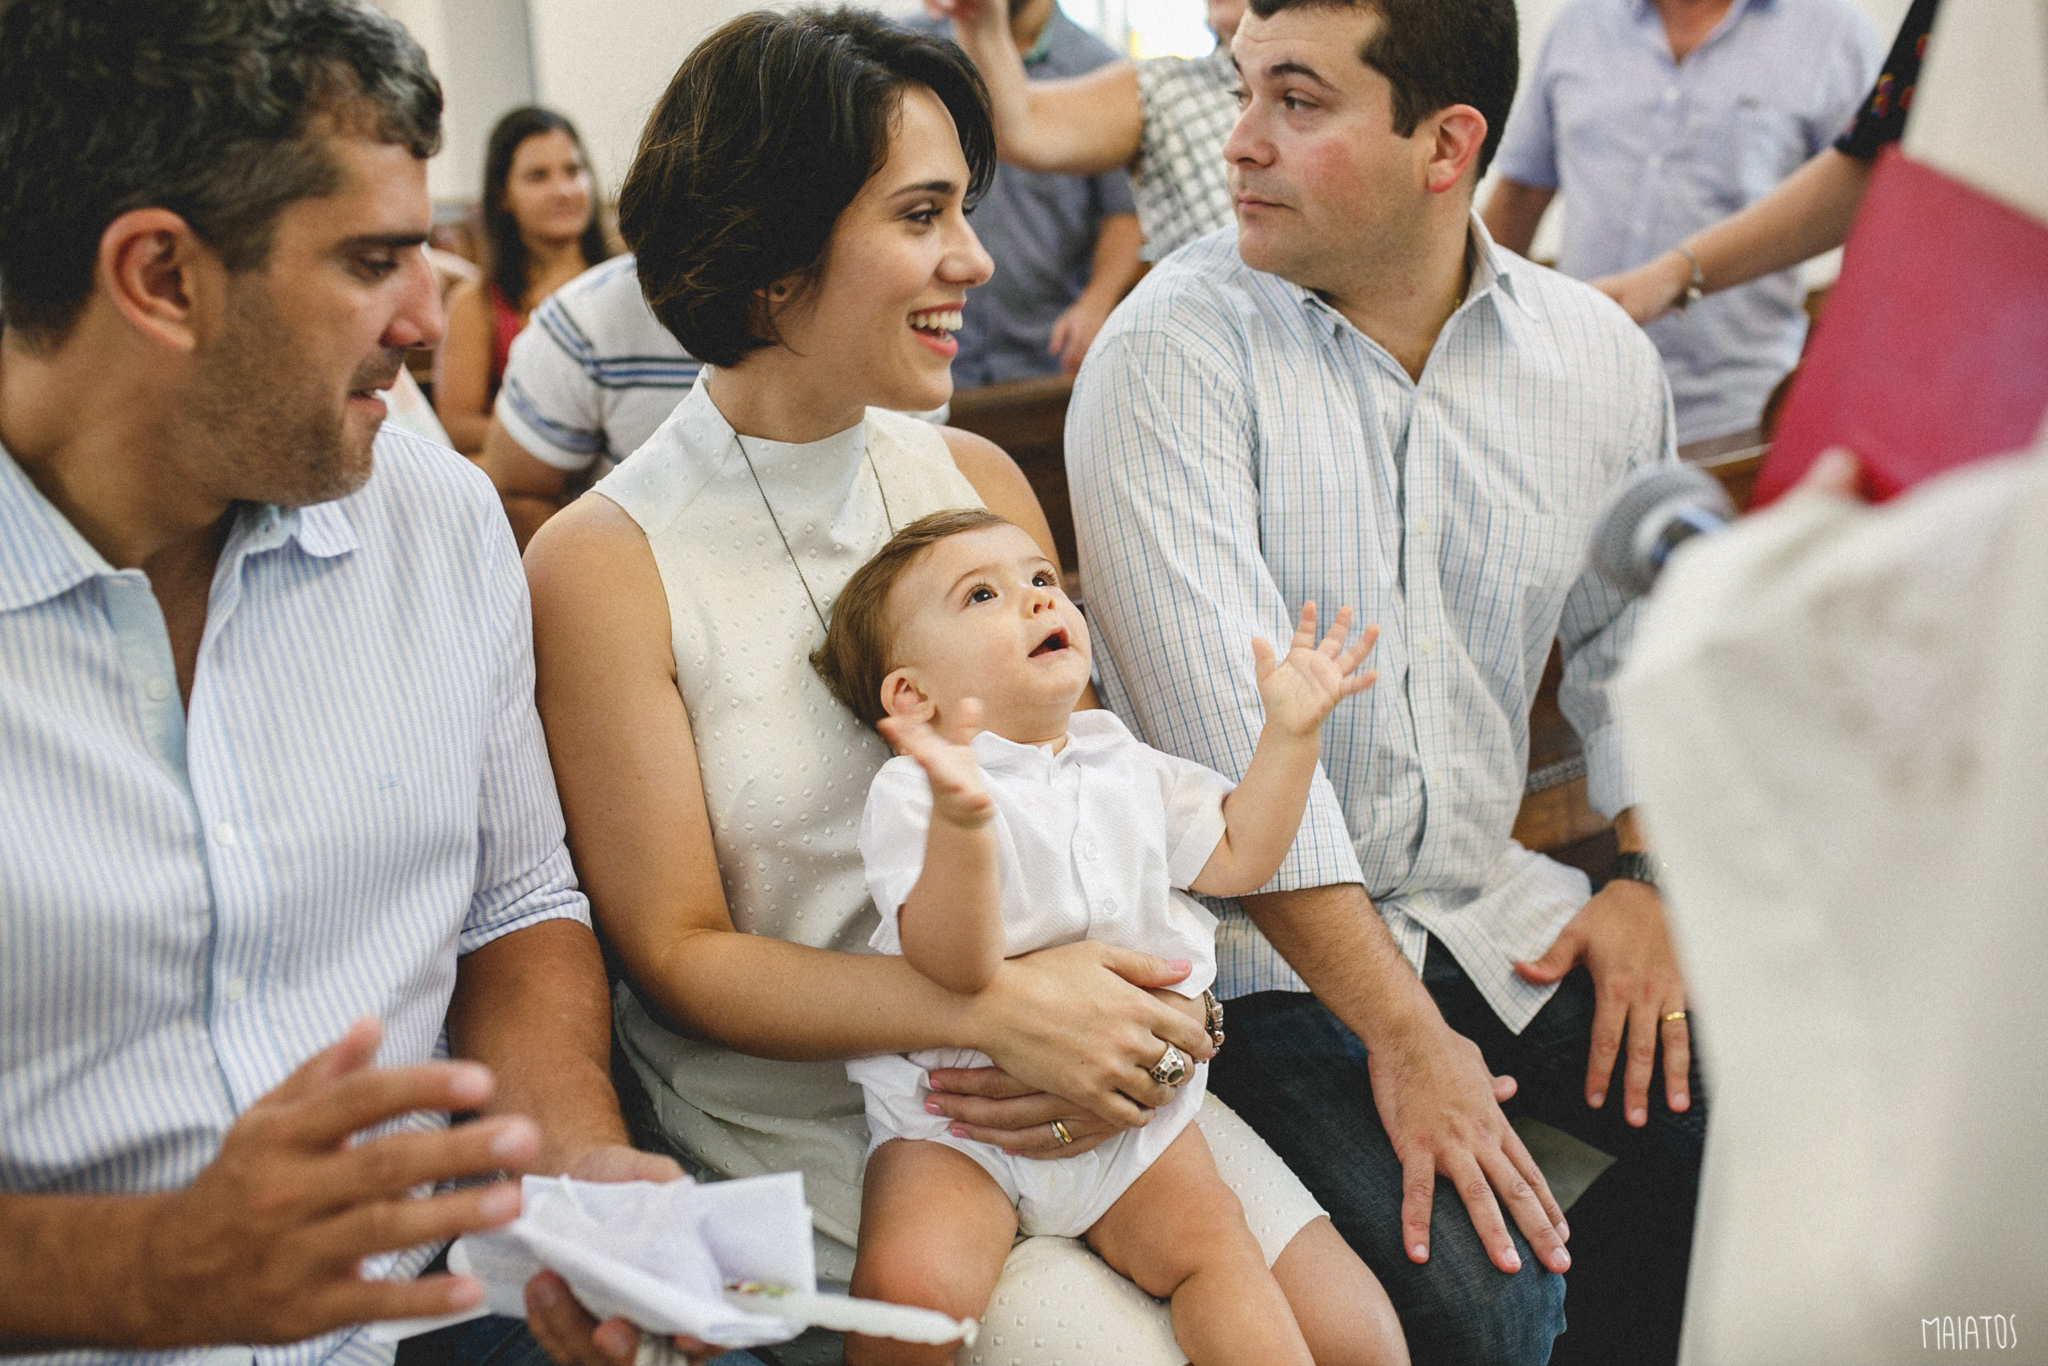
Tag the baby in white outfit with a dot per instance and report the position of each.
(1047, 827)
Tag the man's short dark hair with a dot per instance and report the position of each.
(1437, 53)
(202, 107)
(765, 135)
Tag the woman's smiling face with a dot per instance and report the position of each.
(897, 270)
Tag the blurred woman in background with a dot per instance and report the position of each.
(541, 230)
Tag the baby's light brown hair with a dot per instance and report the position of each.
(854, 659)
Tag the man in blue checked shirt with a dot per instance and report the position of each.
(276, 801)
(1357, 399)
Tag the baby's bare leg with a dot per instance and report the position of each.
(1342, 1309)
(1180, 1233)
(934, 1231)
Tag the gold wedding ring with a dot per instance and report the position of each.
(1059, 1131)
(1673, 1015)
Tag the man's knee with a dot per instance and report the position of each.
(1463, 1309)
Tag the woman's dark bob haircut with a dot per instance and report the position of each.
(766, 134)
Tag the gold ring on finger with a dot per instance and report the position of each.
(1671, 1015)
(1059, 1131)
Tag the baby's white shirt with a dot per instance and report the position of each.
(1097, 842)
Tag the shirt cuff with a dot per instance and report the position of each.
(1610, 778)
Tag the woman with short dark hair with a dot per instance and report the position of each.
(798, 207)
(541, 230)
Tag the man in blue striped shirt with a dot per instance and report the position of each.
(270, 771)
(1357, 399)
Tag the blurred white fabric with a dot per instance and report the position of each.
(1839, 718)
(406, 406)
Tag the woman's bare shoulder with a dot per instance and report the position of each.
(592, 558)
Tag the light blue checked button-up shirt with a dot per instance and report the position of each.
(193, 903)
(1236, 447)
(1649, 151)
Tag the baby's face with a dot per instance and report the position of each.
(982, 615)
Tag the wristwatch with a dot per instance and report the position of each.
(1636, 866)
(1696, 287)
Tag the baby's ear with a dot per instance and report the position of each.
(902, 696)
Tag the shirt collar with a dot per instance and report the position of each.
(1645, 11)
(1088, 733)
(1494, 272)
(42, 556)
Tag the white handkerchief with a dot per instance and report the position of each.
(663, 1256)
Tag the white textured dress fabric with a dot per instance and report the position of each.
(785, 771)
(1836, 714)
(1180, 182)
(1110, 831)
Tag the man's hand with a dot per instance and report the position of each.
(1441, 1110)
(1302, 690)
(1621, 937)
(558, 1323)
(266, 1245)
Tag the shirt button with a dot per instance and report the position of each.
(1425, 647)
(1422, 526)
(1109, 905)
(224, 835)
(235, 989)
(1086, 849)
(1671, 94)
(157, 689)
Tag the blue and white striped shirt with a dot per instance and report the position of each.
(196, 902)
(1236, 447)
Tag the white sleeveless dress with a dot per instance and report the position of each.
(786, 771)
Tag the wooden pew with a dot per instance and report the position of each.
(1028, 419)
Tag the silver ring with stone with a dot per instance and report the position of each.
(1171, 1069)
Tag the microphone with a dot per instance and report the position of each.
(1650, 516)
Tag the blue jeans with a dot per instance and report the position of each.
(1298, 1076)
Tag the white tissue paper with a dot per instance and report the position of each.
(726, 1262)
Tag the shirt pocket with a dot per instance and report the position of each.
(1752, 145)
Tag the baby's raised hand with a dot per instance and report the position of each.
(959, 797)
(1303, 689)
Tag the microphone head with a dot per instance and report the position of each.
(1617, 539)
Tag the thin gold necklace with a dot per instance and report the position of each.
(776, 522)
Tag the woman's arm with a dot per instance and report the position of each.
(1073, 1020)
(1808, 213)
(462, 368)
(1079, 125)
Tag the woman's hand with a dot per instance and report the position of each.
(1080, 1021)
(1650, 290)
(988, 1105)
